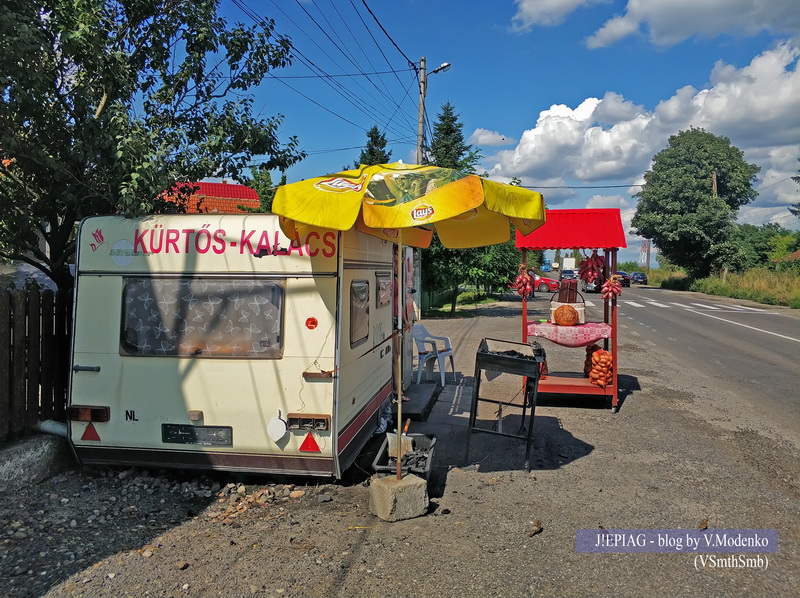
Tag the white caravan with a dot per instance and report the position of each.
(213, 341)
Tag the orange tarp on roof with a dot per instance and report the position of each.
(221, 198)
(577, 229)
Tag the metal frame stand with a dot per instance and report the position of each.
(520, 360)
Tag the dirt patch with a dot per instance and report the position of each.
(492, 528)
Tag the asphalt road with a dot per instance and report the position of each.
(743, 349)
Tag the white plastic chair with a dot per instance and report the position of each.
(429, 348)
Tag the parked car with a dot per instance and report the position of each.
(625, 280)
(569, 275)
(542, 284)
(638, 277)
(592, 287)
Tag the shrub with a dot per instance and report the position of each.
(759, 284)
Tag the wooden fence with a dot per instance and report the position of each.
(34, 359)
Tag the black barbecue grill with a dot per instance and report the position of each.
(495, 357)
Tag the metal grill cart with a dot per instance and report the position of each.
(506, 357)
(587, 229)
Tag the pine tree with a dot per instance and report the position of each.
(375, 151)
(448, 147)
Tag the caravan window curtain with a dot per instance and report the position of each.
(202, 317)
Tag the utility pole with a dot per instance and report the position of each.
(423, 90)
(423, 84)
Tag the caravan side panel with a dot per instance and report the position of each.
(193, 333)
(364, 375)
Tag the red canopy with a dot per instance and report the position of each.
(577, 229)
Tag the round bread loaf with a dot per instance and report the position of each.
(566, 315)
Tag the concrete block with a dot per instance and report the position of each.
(394, 500)
(32, 460)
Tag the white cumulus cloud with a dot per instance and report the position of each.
(613, 139)
(545, 12)
(668, 22)
(484, 137)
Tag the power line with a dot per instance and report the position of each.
(583, 187)
(346, 54)
(386, 33)
(392, 72)
(357, 100)
(316, 103)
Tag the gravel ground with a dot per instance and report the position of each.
(674, 457)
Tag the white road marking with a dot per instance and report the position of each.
(634, 304)
(788, 338)
(705, 306)
(657, 304)
(749, 308)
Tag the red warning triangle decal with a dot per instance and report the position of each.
(309, 444)
(90, 433)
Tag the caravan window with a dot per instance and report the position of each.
(202, 317)
(359, 312)
(384, 285)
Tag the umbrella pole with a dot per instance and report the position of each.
(398, 358)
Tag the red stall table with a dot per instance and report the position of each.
(585, 229)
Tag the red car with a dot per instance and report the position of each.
(544, 285)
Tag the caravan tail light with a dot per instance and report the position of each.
(88, 413)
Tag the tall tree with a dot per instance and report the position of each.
(443, 267)
(759, 243)
(261, 181)
(795, 207)
(105, 104)
(690, 200)
(375, 151)
(448, 147)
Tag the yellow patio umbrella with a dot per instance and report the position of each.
(405, 204)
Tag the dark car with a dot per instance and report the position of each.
(624, 279)
(638, 277)
(569, 275)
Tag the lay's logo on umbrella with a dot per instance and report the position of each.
(339, 184)
(422, 212)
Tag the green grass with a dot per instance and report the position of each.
(466, 298)
(760, 285)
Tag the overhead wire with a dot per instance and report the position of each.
(386, 33)
(340, 46)
(337, 87)
(391, 116)
(411, 63)
(360, 101)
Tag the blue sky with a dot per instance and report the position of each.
(573, 97)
